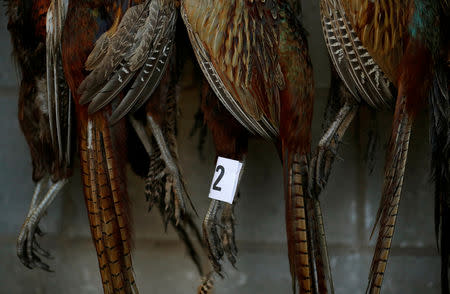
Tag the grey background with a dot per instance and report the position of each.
(161, 264)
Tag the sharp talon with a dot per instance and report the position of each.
(42, 265)
(214, 244)
(39, 232)
(41, 251)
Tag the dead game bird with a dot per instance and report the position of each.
(255, 57)
(101, 146)
(114, 70)
(386, 53)
(45, 111)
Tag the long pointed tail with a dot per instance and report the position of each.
(106, 201)
(392, 187)
(440, 162)
(306, 241)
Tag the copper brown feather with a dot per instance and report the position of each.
(376, 46)
(101, 148)
(255, 58)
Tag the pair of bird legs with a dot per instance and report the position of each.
(28, 249)
(220, 214)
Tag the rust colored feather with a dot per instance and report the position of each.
(107, 204)
(240, 58)
(257, 63)
(382, 27)
(101, 148)
(392, 187)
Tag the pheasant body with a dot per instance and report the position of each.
(381, 50)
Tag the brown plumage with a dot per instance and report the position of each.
(381, 50)
(160, 182)
(129, 58)
(255, 58)
(50, 147)
(102, 150)
(231, 141)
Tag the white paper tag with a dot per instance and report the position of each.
(225, 180)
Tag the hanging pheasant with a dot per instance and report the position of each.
(45, 111)
(131, 57)
(255, 58)
(386, 52)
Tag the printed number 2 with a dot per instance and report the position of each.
(222, 172)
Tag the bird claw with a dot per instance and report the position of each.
(228, 234)
(214, 244)
(220, 236)
(174, 198)
(320, 168)
(28, 249)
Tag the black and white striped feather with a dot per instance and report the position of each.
(58, 94)
(357, 69)
(137, 52)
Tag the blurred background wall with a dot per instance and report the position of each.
(161, 263)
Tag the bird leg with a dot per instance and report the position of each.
(173, 175)
(28, 249)
(321, 163)
(228, 233)
(160, 181)
(211, 234)
(171, 165)
(142, 134)
(220, 235)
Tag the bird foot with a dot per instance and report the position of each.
(29, 251)
(220, 236)
(174, 197)
(228, 233)
(320, 168)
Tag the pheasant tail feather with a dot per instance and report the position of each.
(106, 201)
(393, 181)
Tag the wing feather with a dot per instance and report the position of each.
(356, 67)
(236, 45)
(58, 94)
(137, 52)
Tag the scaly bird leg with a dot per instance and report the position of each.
(211, 234)
(21, 239)
(179, 189)
(217, 245)
(228, 233)
(142, 134)
(181, 230)
(178, 186)
(319, 172)
(28, 248)
(321, 163)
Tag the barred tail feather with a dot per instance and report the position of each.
(392, 187)
(308, 256)
(107, 204)
(296, 223)
(207, 284)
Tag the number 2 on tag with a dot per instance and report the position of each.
(220, 169)
(225, 180)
